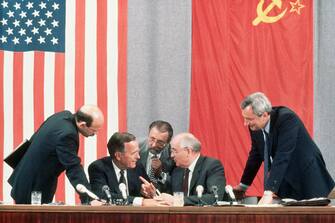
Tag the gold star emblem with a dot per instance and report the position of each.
(296, 6)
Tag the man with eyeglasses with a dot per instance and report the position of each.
(155, 153)
(53, 149)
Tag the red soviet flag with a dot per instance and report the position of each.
(240, 47)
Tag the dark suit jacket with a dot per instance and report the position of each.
(101, 172)
(207, 172)
(167, 163)
(298, 170)
(53, 149)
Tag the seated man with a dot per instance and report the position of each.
(155, 153)
(193, 170)
(120, 167)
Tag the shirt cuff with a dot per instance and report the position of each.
(244, 186)
(138, 201)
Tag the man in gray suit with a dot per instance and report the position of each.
(155, 153)
(194, 170)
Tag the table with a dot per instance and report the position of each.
(129, 214)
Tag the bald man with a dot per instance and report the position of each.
(53, 149)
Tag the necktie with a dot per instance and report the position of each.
(266, 156)
(151, 173)
(185, 181)
(122, 178)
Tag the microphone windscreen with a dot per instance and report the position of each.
(200, 190)
(81, 188)
(105, 188)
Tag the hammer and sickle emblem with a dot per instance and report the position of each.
(262, 16)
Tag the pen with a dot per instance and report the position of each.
(158, 193)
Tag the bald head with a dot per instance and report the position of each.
(89, 119)
(187, 139)
(185, 148)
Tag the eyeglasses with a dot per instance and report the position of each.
(158, 142)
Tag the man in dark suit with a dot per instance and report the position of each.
(53, 149)
(293, 164)
(155, 153)
(121, 166)
(193, 170)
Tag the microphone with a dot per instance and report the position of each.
(123, 190)
(216, 195)
(82, 189)
(230, 192)
(200, 190)
(106, 190)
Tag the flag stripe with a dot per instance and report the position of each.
(28, 94)
(122, 64)
(70, 70)
(8, 121)
(112, 68)
(80, 65)
(17, 96)
(38, 89)
(59, 104)
(102, 73)
(49, 94)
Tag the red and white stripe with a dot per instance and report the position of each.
(92, 70)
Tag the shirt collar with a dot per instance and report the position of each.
(192, 166)
(267, 126)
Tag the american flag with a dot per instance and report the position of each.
(57, 55)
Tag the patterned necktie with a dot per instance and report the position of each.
(266, 156)
(122, 178)
(185, 181)
(151, 173)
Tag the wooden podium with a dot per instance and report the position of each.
(128, 214)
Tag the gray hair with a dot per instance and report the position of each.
(189, 140)
(258, 102)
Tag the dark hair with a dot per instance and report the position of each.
(83, 117)
(162, 126)
(117, 140)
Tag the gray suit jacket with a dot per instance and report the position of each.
(207, 172)
(167, 163)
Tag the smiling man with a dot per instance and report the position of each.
(155, 153)
(120, 167)
(293, 164)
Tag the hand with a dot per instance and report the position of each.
(267, 198)
(154, 202)
(97, 203)
(156, 166)
(168, 198)
(148, 190)
(239, 192)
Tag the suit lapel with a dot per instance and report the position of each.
(177, 182)
(144, 156)
(196, 173)
(112, 178)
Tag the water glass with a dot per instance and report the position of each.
(178, 199)
(36, 197)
